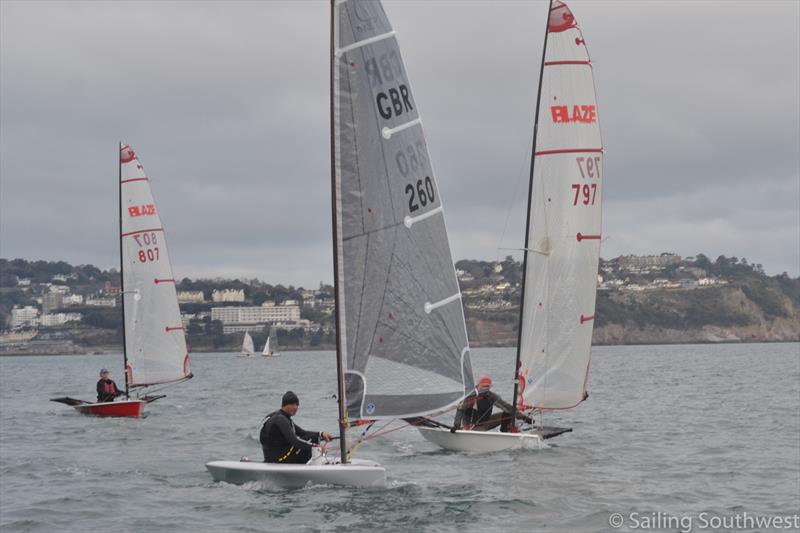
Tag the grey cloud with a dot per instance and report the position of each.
(227, 105)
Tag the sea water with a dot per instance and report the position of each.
(670, 435)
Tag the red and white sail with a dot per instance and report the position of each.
(154, 338)
(563, 247)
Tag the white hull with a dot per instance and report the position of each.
(358, 473)
(481, 441)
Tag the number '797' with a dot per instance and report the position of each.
(586, 193)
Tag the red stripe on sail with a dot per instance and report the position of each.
(554, 63)
(133, 179)
(582, 237)
(176, 328)
(586, 318)
(571, 151)
(157, 281)
(140, 231)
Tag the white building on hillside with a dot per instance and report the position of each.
(267, 313)
(102, 302)
(27, 316)
(59, 319)
(73, 299)
(185, 297)
(705, 282)
(228, 295)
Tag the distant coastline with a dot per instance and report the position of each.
(54, 308)
(118, 351)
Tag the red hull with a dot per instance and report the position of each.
(128, 408)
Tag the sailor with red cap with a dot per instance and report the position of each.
(475, 412)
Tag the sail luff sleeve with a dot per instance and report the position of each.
(341, 356)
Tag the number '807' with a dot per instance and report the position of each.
(147, 242)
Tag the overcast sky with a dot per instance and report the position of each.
(226, 105)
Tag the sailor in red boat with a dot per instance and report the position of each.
(475, 412)
(282, 440)
(107, 390)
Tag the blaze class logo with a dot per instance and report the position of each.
(145, 210)
(562, 114)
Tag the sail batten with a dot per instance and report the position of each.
(155, 346)
(391, 269)
(564, 225)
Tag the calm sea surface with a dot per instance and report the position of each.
(678, 430)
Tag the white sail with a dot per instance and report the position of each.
(403, 338)
(155, 346)
(266, 350)
(565, 224)
(248, 348)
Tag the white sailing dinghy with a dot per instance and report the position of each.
(562, 243)
(248, 348)
(154, 346)
(401, 339)
(267, 351)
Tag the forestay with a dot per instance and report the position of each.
(565, 224)
(401, 320)
(154, 338)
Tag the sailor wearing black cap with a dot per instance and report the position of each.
(282, 440)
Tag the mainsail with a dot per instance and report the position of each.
(563, 245)
(155, 346)
(248, 348)
(403, 339)
(266, 350)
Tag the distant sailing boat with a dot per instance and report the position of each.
(154, 346)
(248, 348)
(267, 351)
(401, 339)
(562, 242)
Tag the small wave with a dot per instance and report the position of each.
(74, 470)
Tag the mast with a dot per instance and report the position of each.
(121, 277)
(528, 222)
(335, 226)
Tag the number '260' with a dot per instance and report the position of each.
(421, 195)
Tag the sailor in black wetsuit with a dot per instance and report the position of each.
(475, 412)
(282, 440)
(107, 390)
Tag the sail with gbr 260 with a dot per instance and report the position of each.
(403, 338)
